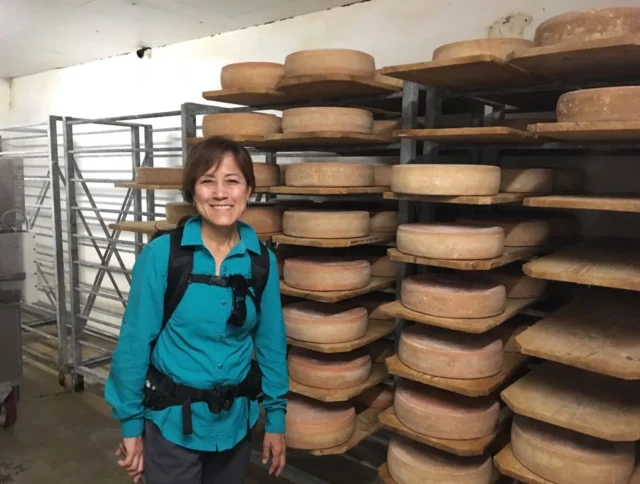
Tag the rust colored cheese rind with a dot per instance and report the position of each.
(438, 179)
(176, 211)
(266, 174)
(312, 174)
(251, 75)
(526, 180)
(264, 220)
(342, 120)
(326, 273)
(329, 61)
(518, 232)
(329, 370)
(159, 176)
(600, 104)
(317, 322)
(498, 47)
(315, 224)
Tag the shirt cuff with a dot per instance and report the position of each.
(275, 422)
(132, 428)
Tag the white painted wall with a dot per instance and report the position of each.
(5, 101)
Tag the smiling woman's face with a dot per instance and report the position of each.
(222, 193)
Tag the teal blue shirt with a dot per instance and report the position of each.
(197, 347)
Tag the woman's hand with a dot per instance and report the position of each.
(132, 452)
(274, 445)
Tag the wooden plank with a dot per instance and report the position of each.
(500, 198)
(321, 138)
(146, 228)
(466, 325)
(376, 284)
(588, 131)
(605, 262)
(599, 332)
(329, 243)
(589, 403)
(282, 190)
(613, 203)
(480, 387)
(333, 86)
(385, 475)
(367, 424)
(376, 329)
(246, 97)
(249, 141)
(146, 186)
(510, 254)
(488, 134)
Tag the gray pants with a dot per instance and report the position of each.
(168, 463)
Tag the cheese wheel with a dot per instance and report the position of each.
(601, 104)
(381, 350)
(326, 273)
(516, 282)
(266, 174)
(329, 175)
(264, 220)
(591, 24)
(415, 463)
(308, 120)
(312, 424)
(177, 211)
(449, 241)
(384, 222)
(382, 175)
(517, 232)
(567, 180)
(372, 302)
(386, 126)
(450, 354)
(434, 179)
(329, 370)
(453, 296)
(445, 415)
(324, 62)
(251, 75)
(380, 396)
(379, 77)
(317, 322)
(315, 224)
(526, 180)
(497, 47)
(382, 266)
(283, 174)
(159, 176)
(567, 457)
(240, 124)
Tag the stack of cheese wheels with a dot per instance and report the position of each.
(326, 273)
(453, 296)
(177, 211)
(266, 174)
(326, 224)
(251, 76)
(382, 266)
(372, 302)
(384, 222)
(240, 124)
(329, 370)
(317, 425)
(382, 175)
(518, 232)
(601, 104)
(264, 220)
(497, 47)
(333, 119)
(444, 415)
(450, 241)
(452, 180)
(516, 282)
(415, 463)
(526, 180)
(322, 62)
(312, 174)
(381, 350)
(566, 457)
(450, 354)
(159, 176)
(386, 126)
(380, 396)
(317, 322)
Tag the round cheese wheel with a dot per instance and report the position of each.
(601, 104)
(516, 282)
(453, 296)
(384, 222)
(264, 220)
(380, 396)
(498, 47)
(251, 75)
(526, 180)
(314, 425)
(445, 415)
(329, 61)
(240, 124)
(372, 302)
(434, 179)
(329, 370)
(307, 120)
(382, 266)
(381, 350)
(566, 180)
(592, 24)
(380, 77)
(450, 354)
(382, 175)
(317, 322)
(159, 176)
(326, 273)
(177, 211)
(566, 457)
(266, 174)
(329, 175)
(517, 232)
(449, 241)
(415, 463)
(386, 126)
(315, 224)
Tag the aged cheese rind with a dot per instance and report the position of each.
(385, 222)
(176, 211)
(600, 104)
(240, 124)
(437, 179)
(326, 273)
(342, 120)
(516, 282)
(329, 370)
(251, 75)
(386, 126)
(264, 220)
(382, 175)
(311, 174)
(159, 176)
(518, 232)
(329, 61)
(498, 47)
(266, 174)
(317, 322)
(316, 224)
(526, 180)
(380, 396)
(382, 266)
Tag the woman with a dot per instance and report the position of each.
(173, 431)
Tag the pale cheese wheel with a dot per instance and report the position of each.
(251, 75)
(450, 354)
(386, 126)
(240, 124)
(381, 350)
(382, 266)
(453, 296)
(315, 224)
(329, 175)
(326, 273)
(177, 211)
(445, 415)
(159, 176)
(308, 120)
(385, 222)
(601, 104)
(516, 282)
(329, 61)
(567, 457)
(449, 241)
(526, 180)
(312, 424)
(382, 175)
(264, 220)
(591, 24)
(266, 174)
(380, 396)
(317, 322)
(329, 370)
(517, 232)
(415, 463)
(437, 179)
(567, 180)
(497, 47)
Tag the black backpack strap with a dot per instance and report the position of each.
(180, 266)
(260, 266)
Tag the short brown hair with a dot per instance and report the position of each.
(209, 153)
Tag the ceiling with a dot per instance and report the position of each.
(40, 35)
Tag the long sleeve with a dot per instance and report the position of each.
(271, 352)
(140, 326)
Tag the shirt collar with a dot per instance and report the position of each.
(192, 235)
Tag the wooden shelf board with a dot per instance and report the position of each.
(329, 243)
(367, 424)
(376, 284)
(589, 403)
(332, 86)
(385, 476)
(282, 190)
(490, 134)
(146, 228)
(376, 330)
(472, 388)
(606, 262)
(246, 97)
(598, 332)
(461, 199)
(146, 186)
(613, 203)
(588, 131)
(330, 138)
(245, 140)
